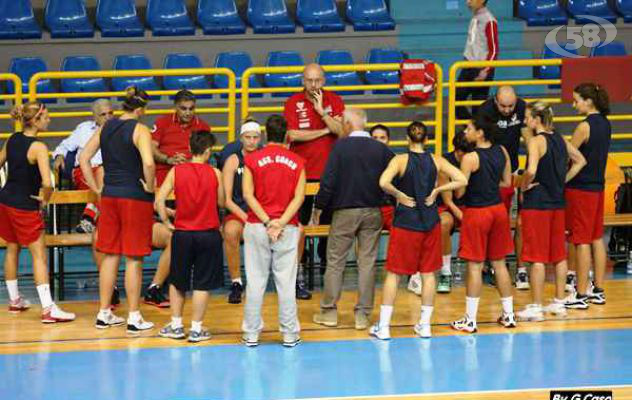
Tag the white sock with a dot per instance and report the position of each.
(44, 294)
(446, 267)
(12, 287)
(385, 315)
(176, 322)
(426, 314)
(571, 273)
(471, 307)
(134, 316)
(154, 285)
(522, 269)
(238, 280)
(104, 313)
(196, 326)
(507, 303)
(590, 275)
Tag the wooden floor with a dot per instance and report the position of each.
(24, 333)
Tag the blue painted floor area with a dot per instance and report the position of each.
(326, 369)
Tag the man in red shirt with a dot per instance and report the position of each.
(274, 189)
(314, 122)
(170, 135)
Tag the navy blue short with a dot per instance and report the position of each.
(196, 260)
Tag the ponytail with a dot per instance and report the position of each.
(135, 98)
(596, 93)
(27, 113)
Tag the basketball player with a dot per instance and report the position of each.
(125, 224)
(26, 193)
(415, 243)
(196, 243)
(485, 230)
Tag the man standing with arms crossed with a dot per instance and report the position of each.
(314, 122)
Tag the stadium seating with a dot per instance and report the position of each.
(269, 16)
(383, 56)
(169, 18)
(369, 15)
(25, 68)
(319, 16)
(283, 58)
(17, 20)
(68, 19)
(238, 62)
(173, 61)
(597, 8)
(542, 12)
(118, 18)
(135, 61)
(610, 50)
(219, 17)
(82, 63)
(339, 57)
(553, 71)
(624, 7)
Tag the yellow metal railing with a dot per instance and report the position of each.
(16, 97)
(231, 91)
(623, 159)
(437, 122)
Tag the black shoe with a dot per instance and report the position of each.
(154, 297)
(301, 292)
(236, 289)
(116, 298)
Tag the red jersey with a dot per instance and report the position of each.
(173, 138)
(195, 187)
(275, 172)
(300, 115)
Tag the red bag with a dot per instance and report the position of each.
(417, 81)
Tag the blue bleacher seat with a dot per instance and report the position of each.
(173, 61)
(283, 58)
(369, 15)
(383, 56)
(624, 7)
(238, 62)
(269, 16)
(118, 18)
(134, 61)
(339, 57)
(219, 17)
(612, 49)
(597, 8)
(25, 68)
(542, 12)
(82, 63)
(68, 19)
(17, 20)
(319, 16)
(553, 71)
(169, 18)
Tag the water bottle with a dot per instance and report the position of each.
(629, 269)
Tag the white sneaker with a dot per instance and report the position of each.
(104, 322)
(53, 314)
(556, 308)
(423, 330)
(18, 305)
(532, 312)
(465, 324)
(414, 284)
(508, 320)
(571, 281)
(380, 332)
(137, 327)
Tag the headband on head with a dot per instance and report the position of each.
(250, 127)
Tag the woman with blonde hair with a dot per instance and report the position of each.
(26, 193)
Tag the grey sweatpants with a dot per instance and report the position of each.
(261, 256)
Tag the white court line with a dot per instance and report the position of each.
(403, 396)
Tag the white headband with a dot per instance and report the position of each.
(250, 127)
